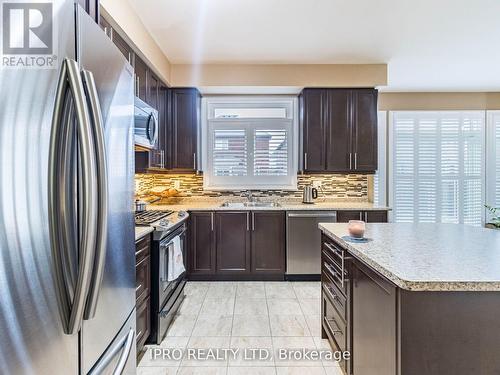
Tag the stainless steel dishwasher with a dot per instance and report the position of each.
(303, 249)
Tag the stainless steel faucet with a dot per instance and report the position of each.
(249, 195)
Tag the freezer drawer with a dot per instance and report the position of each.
(120, 356)
(303, 252)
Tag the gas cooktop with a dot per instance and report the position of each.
(149, 217)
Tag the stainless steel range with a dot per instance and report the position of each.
(166, 294)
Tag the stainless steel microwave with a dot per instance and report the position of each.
(146, 125)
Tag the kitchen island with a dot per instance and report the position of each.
(414, 299)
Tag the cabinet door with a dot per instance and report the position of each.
(141, 73)
(201, 255)
(105, 26)
(91, 7)
(268, 242)
(122, 45)
(374, 321)
(184, 128)
(233, 242)
(376, 216)
(364, 130)
(339, 129)
(143, 324)
(345, 216)
(313, 120)
(152, 92)
(159, 157)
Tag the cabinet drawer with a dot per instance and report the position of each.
(334, 271)
(338, 300)
(142, 248)
(143, 324)
(142, 279)
(334, 325)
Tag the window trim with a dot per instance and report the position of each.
(490, 160)
(209, 103)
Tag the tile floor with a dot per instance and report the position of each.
(238, 315)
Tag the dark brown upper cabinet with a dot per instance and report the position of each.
(91, 7)
(122, 45)
(339, 130)
(185, 104)
(153, 87)
(314, 120)
(233, 242)
(364, 128)
(268, 242)
(141, 77)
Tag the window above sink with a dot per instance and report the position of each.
(250, 143)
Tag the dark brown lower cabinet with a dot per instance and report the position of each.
(372, 216)
(201, 234)
(268, 242)
(373, 323)
(236, 245)
(232, 242)
(143, 325)
(142, 292)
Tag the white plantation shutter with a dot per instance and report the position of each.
(438, 167)
(270, 152)
(229, 153)
(497, 162)
(493, 160)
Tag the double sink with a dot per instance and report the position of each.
(249, 204)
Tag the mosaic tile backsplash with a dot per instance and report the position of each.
(333, 186)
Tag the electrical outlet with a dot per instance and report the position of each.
(177, 184)
(317, 184)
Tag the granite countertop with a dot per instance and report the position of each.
(141, 231)
(428, 257)
(215, 205)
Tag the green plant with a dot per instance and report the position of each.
(495, 216)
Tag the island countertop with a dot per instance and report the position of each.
(428, 257)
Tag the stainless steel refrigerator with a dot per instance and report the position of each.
(67, 263)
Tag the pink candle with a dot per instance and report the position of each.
(356, 228)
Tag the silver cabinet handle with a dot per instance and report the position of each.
(129, 58)
(125, 345)
(360, 215)
(319, 215)
(305, 160)
(72, 309)
(102, 189)
(212, 220)
(253, 221)
(248, 221)
(105, 30)
(366, 217)
(111, 33)
(355, 160)
(194, 161)
(138, 84)
(350, 160)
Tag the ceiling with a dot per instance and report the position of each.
(429, 45)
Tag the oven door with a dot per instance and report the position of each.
(165, 286)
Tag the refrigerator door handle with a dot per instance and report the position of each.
(125, 343)
(102, 191)
(71, 307)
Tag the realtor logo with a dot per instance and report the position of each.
(27, 35)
